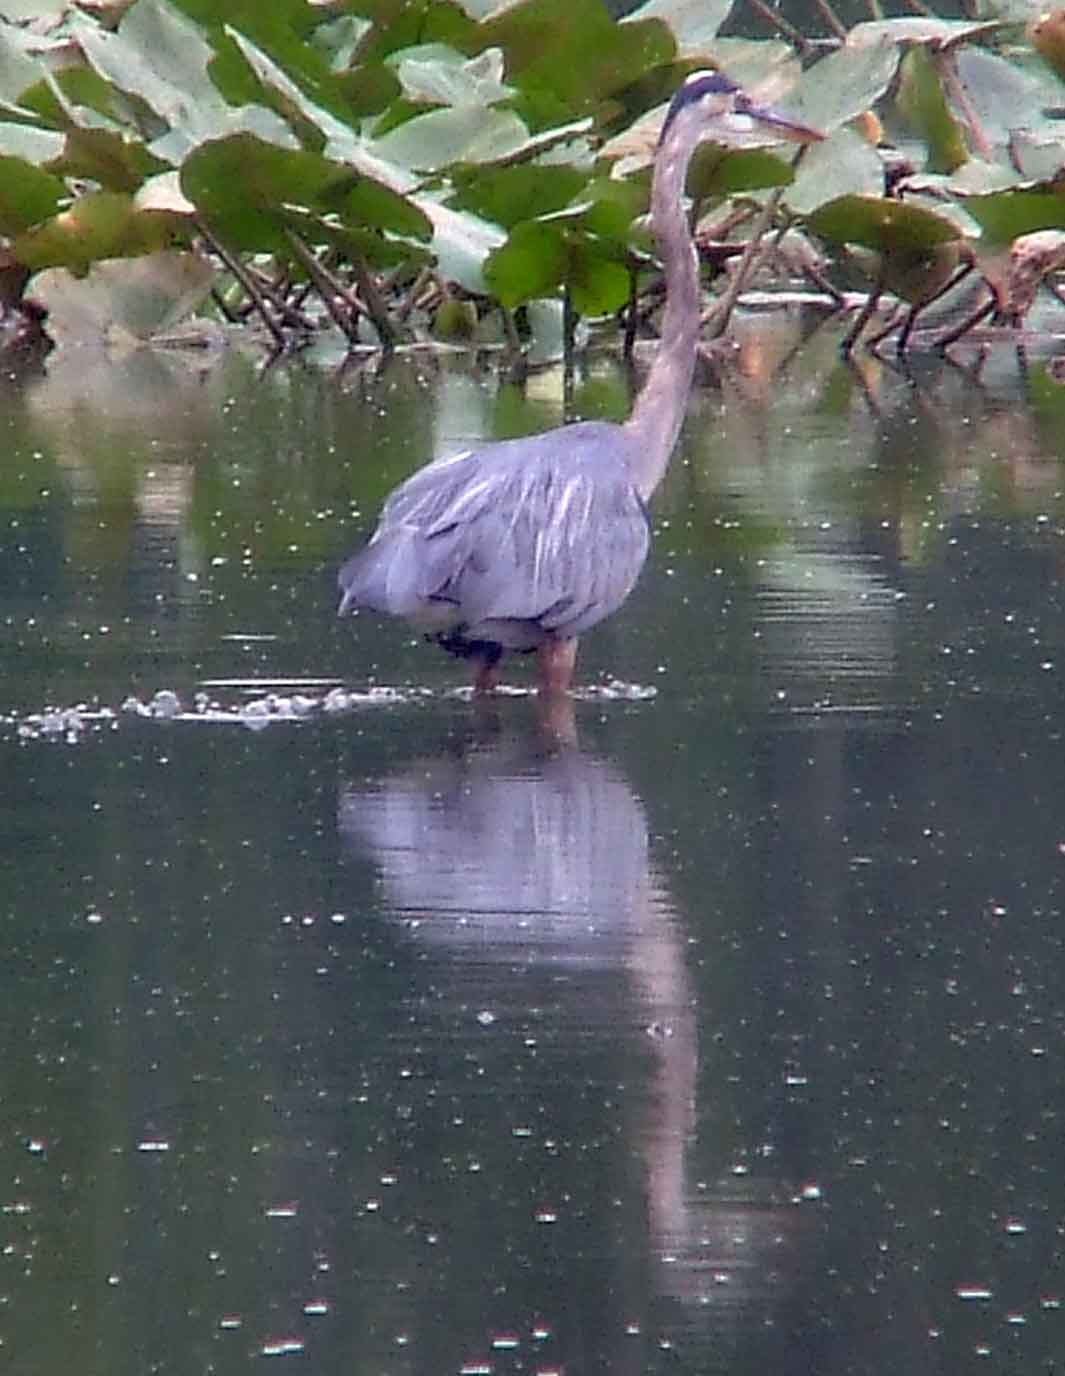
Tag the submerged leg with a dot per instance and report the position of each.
(486, 678)
(554, 664)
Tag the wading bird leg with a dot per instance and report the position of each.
(554, 665)
(486, 680)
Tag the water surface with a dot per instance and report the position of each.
(720, 1030)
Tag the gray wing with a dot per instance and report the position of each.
(547, 529)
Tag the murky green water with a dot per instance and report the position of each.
(400, 1039)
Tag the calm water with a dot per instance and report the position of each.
(406, 1038)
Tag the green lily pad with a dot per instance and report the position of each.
(114, 161)
(508, 195)
(716, 172)
(878, 223)
(1004, 216)
(28, 195)
(542, 256)
(240, 183)
(922, 101)
(532, 263)
(103, 224)
(566, 58)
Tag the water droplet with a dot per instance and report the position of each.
(281, 1347)
(288, 1210)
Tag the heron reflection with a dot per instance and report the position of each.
(554, 1023)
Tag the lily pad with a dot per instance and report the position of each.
(36, 146)
(693, 23)
(161, 58)
(28, 195)
(565, 58)
(435, 74)
(878, 223)
(508, 195)
(541, 256)
(922, 101)
(843, 165)
(240, 184)
(716, 172)
(468, 133)
(926, 31)
(145, 298)
(844, 84)
(103, 224)
(1006, 215)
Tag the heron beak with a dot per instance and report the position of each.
(777, 124)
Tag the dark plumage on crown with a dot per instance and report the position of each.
(696, 86)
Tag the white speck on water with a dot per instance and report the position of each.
(283, 1211)
(153, 1144)
(476, 1369)
(94, 918)
(338, 919)
(810, 1192)
(315, 1308)
(281, 1347)
(1016, 1320)
(505, 1342)
(35, 1146)
(486, 1018)
(1014, 1226)
(230, 1321)
(546, 1216)
(973, 1292)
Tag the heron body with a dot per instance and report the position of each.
(522, 545)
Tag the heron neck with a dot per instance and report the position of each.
(659, 410)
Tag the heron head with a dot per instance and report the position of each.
(728, 115)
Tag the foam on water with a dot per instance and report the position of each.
(70, 724)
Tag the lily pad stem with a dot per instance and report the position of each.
(781, 25)
(716, 321)
(329, 289)
(236, 267)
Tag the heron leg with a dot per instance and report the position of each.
(486, 679)
(554, 663)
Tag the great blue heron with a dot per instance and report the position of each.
(524, 544)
